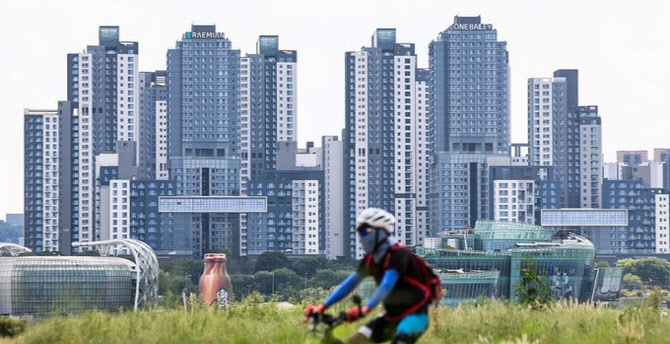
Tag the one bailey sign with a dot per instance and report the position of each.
(482, 27)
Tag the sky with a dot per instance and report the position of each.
(621, 48)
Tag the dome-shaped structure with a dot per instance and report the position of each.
(39, 285)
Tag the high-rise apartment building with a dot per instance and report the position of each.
(128, 207)
(68, 178)
(547, 118)
(268, 104)
(469, 109)
(662, 222)
(203, 107)
(41, 173)
(590, 157)
(336, 238)
(647, 230)
(651, 173)
(294, 221)
(152, 141)
(639, 186)
(103, 90)
(384, 137)
(50, 172)
(662, 155)
(300, 202)
(519, 193)
(632, 157)
(268, 107)
(566, 136)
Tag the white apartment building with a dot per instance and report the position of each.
(662, 223)
(514, 201)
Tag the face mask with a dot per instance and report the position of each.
(375, 243)
(368, 241)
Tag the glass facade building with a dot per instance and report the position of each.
(584, 217)
(459, 286)
(196, 204)
(496, 253)
(49, 285)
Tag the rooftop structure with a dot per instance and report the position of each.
(581, 217)
(212, 204)
(495, 236)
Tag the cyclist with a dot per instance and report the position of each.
(399, 281)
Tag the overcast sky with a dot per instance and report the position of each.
(621, 48)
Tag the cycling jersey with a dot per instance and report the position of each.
(405, 298)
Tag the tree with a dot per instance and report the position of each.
(288, 284)
(307, 266)
(190, 267)
(288, 278)
(632, 282)
(240, 265)
(243, 285)
(653, 271)
(341, 263)
(175, 284)
(328, 278)
(263, 281)
(271, 260)
(602, 264)
(534, 289)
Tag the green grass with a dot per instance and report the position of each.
(491, 323)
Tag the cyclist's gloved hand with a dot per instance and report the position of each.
(312, 310)
(355, 313)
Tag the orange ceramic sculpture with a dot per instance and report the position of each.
(214, 278)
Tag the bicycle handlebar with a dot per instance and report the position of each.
(332, 320)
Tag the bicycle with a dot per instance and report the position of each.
(332, 322)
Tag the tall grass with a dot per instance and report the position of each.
(252, 323)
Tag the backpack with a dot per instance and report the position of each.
(432, 280)
(431, 285)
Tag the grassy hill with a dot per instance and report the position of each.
(490, 323)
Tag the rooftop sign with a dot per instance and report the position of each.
(473, 27)
(204, 35)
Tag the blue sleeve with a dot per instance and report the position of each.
(385, 288)
(343, 289)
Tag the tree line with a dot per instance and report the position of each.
(273, 274)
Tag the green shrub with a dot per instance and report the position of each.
(632, 282)
(11, 327)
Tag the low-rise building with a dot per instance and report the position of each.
(488, 261)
